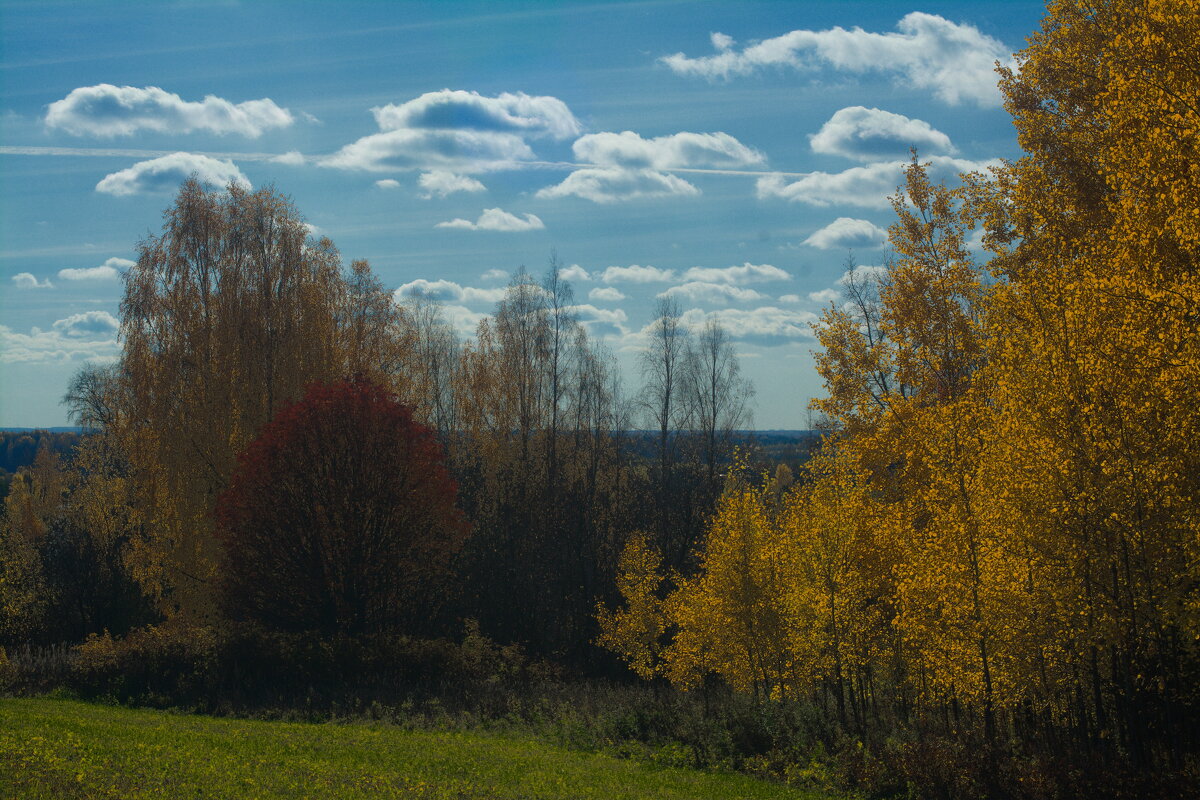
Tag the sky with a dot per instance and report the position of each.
(732, 155)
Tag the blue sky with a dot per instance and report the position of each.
(728, 154)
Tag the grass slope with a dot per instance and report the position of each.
(61, 749)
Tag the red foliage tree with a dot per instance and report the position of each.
(340, 517)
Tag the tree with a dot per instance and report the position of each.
(228, 314)
(664, 364)
(340, 518)
(719, 396)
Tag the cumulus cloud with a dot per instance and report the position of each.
(506, 113)
(863, 271)
(637, 274)
(455, 132)
(164, 174)
(869, 134)
(91, 325)
(462, 150)
(606, 294)
(867, 186)
(614, 185)
(846, 232)
(27, 280)
(448, 292)
(957, 61)
(712, 293)
(746, 273)
(766, 325)
(495, 275)
(824, 296)
(388, 183)
(107, 110)
(40, 347)
(600, 321)
(679, 150)
(574, 273)
(464, 321)
(442, 183)
(292, 158)
(496, 219)
(110, 270)
(925, 51)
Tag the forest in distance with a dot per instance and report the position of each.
(977, 576)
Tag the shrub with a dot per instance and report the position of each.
(340, 518)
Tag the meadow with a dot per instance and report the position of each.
(58, 748)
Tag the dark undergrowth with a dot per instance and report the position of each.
(474, 684)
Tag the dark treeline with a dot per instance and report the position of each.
(18, 448)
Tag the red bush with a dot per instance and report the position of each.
(340, 517)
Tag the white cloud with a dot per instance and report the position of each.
(388, 183)
(864, 271)
(456, 131)
(766, 325)
(448, 292)
(110, 270)
(601, 321)
(607, 294)
(789, 298)
(712, 293)
(462, 319)
(496, 219)
(679, 150)
(824, 296)
(867, 186)
(746, 273)
(495, 275)
(845, 232)
(721, 41)
(926, 51)
(107, 110)
(613, 185)
(292, 158)
(443, 183)
(461, 150)
(27, 280)
(516, 113)
(637, 274)
(164, 174)
(40, 347)
(90, 325)
(869, 134)
(574, 273)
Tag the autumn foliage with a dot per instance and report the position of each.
(340, 517)
(999, 541)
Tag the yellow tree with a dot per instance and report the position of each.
(1097, 360)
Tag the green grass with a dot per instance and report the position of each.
(51, 748)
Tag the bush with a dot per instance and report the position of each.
(340, 519)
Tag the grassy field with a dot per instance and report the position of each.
(58, 749)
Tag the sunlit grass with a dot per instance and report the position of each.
(53, 748)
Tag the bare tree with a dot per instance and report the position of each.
(718, 395)
(664, 362)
